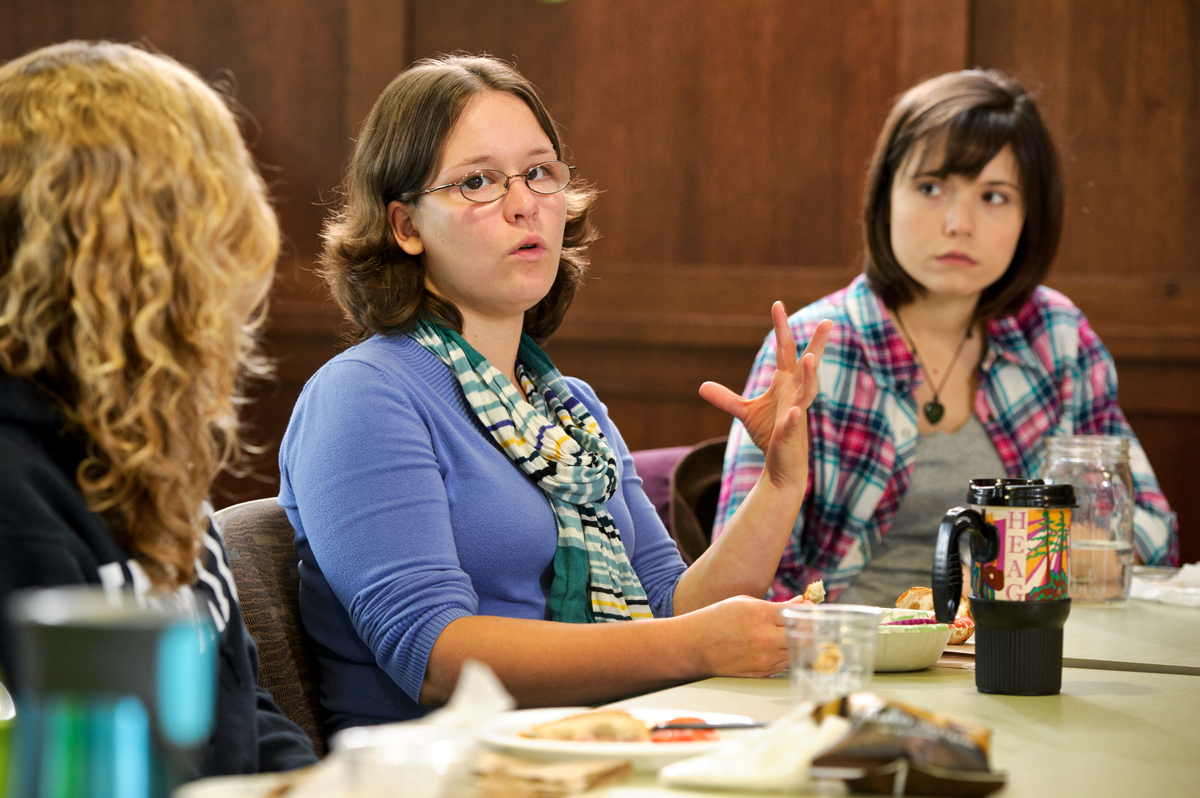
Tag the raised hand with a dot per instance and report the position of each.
(793, 387)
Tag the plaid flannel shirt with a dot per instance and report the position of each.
(1044, 372)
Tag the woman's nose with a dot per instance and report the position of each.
(960, 217)
(520, 199)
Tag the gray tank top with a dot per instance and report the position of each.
(904, 558)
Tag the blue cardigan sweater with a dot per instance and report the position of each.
(408, 516)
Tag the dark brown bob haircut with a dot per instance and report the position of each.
(380, 287)
(966, 118)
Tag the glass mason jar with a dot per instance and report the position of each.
(1101, 557)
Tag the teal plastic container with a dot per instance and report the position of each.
(116, 695)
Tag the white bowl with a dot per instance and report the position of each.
(908, 648)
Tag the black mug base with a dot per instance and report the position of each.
(1018, 646)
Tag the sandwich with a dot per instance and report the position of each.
(921, 598)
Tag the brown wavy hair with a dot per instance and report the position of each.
(966, 118)
(381, 288)
(137, 248)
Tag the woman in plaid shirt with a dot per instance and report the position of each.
(948, 360)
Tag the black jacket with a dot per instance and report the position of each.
(49, 537)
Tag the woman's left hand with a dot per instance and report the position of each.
(772, 416)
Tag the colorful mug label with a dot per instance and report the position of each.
(1032, 564)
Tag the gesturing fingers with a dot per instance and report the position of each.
(805, 377)
(722, 398)
(820, 337)
(785, 344)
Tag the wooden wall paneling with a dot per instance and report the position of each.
(712, 127)
(1129, 209)
(378, 45)
(1169, 440)
(1120, 90)
(932, 37)
(287, 65)
(306, 326)
(1148, 317)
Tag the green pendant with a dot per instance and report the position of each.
(934, 411)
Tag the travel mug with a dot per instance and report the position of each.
(115, 693)
(1020, 543)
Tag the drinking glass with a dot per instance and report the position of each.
(831, 649)
(1101, 558)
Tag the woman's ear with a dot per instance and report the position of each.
(401, 221)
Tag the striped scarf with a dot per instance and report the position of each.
(556, 441)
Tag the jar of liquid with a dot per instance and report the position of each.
(1101, 556)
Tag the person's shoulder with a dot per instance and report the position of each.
(851, 309)
(1053, 328)
(1048, 306)
(31, 433)
(391, 363)
(1051, 313)
(42, 509)
(384, 353)
(831, 306)
(586, 394)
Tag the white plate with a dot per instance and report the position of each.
(504, 732)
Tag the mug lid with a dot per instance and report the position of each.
(1019, 493)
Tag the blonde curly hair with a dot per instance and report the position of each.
(137, 249)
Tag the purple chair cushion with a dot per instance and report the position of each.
(654, 466)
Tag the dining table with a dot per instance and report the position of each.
(1123, 734)
(1135, 636)
(1125, 724)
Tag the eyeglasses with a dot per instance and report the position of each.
(489, 185)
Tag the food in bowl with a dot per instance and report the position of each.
(909, 640)
(921, 598)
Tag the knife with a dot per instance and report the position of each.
(661, 726)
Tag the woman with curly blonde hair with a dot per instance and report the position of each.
(137, 248)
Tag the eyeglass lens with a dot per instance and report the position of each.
(491, 184)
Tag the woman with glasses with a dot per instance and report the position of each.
(948, 359)
(454, 496)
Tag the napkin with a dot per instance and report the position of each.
(501, 776)
(477, 698)
(777, 759)
(1183, 588)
